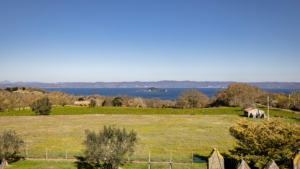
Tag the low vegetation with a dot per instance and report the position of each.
(92, 104)
(109, 146)
(268, 140)
(41, 106)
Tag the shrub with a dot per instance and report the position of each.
(117, 101)
(92, 103)
(41, 106)
(109, 146)
(103, 103)
(8, 89)
(80, 99)
(14, 88)
(271, 139)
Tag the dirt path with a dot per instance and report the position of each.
(280, 109)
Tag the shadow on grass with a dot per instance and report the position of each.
(230, 163)
(14, 158)
(199, 159)
(83, 164)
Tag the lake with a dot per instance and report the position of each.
(171, 94)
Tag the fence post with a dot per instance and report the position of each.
(66, 153)
(192, 157)
(149, 166)
(46, 153)
(26, 152)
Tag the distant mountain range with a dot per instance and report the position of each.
(137, 84)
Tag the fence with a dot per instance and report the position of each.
(141, 155)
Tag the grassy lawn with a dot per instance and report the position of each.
(28, 164)
(77, 110)
(169, 133)
(162, 134)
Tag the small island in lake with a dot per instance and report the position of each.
(151, 89)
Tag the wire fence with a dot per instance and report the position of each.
(141, 155)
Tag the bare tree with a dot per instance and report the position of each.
(192, 98)
(138, 102)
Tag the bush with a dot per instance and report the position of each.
(80, 99)
(10, 145)
(14, 88)
(103, 103)
(271, 139)
(92, 104)
(8, 89)
(117, 101)
(109, 146)
(41, 106)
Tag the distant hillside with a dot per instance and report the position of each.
(158, 84)
(5, 82)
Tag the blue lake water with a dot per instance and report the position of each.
(171, 94)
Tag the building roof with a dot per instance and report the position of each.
(248, 109)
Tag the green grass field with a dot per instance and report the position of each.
(37, 164)
(168, 133)
(78, 110)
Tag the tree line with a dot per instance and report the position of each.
(235, 95)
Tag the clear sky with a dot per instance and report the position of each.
(126, 40)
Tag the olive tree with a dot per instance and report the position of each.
(192, 98)
(109, 145)
(41, 106)
(10, 144)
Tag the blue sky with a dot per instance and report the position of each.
(112, 41)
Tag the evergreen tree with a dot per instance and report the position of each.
(117, 101)
(270, 139)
